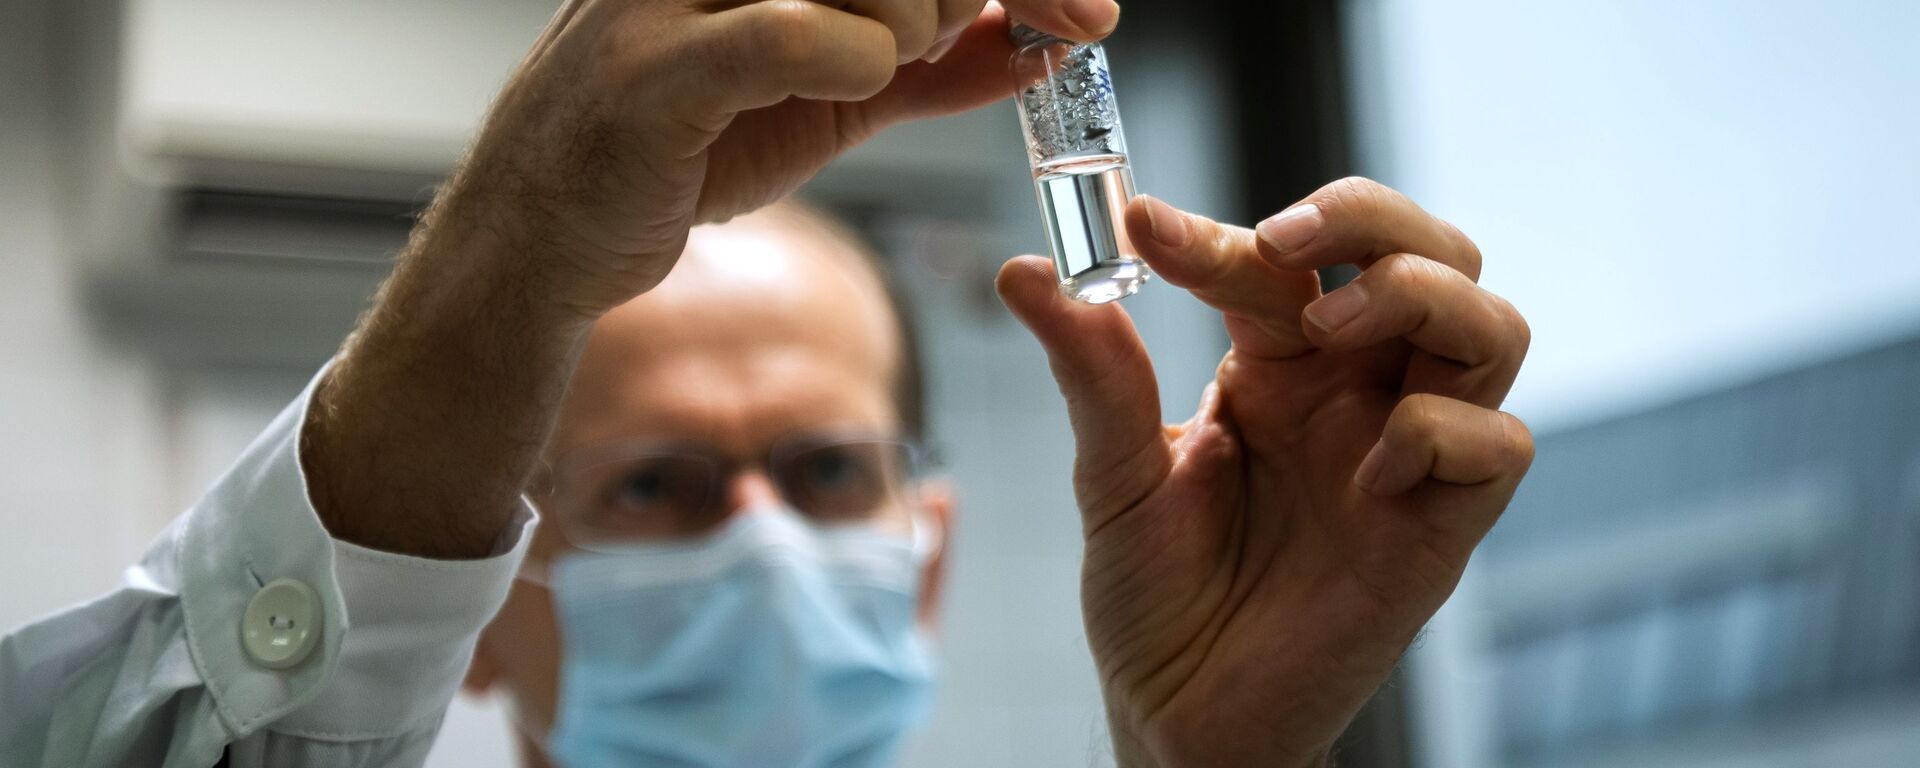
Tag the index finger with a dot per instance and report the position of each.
(1221, 265)
(1359, 221)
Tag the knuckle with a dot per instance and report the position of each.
(626, 49)
(725, 66)
(915, 34)
(1470, 255)
(785, 33)
(1412, 275)
(1214, 243)
(1516, 325)
(1358, 195)
(1399, 269)
(1419, 418)
(956, 16)
(1516, 441)
(623, 44)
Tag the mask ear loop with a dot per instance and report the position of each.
(928, 540)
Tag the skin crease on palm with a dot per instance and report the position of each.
(770, 323)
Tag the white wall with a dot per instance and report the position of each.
(1679, 196)
(73, 419)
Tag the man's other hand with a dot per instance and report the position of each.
(629, 122)
(1253, 574)
(633, 120)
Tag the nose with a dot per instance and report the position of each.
(748, 489)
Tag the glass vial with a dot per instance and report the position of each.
(1079, 160)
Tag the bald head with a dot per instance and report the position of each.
(772, 322)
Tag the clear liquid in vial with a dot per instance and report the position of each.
(1084, 199)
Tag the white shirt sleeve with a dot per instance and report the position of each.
(158, 673)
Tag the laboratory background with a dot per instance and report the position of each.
(1705, 208)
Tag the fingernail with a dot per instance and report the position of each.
(1334, 310)
(1292, 228)
(1371, 467)
(940, 48)
(1166, 225)
(1095, 17)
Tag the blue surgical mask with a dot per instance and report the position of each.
(770, 643)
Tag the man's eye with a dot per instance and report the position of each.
(657, 487)
(841, 482)
(643, 487)
(832, 469)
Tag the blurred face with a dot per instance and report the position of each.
(759, 374)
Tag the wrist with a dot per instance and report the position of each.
(1130, 750)
(549, 248)
(473, 247)
(423, 433)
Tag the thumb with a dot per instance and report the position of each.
(1112, 399)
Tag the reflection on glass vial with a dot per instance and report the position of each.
(1079, 161)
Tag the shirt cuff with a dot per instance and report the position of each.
(395, 632)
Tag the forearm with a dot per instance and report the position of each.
(426, 429)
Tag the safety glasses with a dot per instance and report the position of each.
(640, 491)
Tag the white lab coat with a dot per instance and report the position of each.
(158, 673)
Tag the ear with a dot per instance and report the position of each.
(937, 503)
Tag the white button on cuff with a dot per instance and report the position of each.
(282, 624)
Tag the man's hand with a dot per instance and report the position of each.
(1253, 574)
(629, 122)
(633, 120)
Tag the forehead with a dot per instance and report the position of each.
(767, 325)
